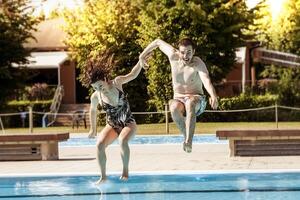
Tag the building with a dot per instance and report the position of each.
(49, 58)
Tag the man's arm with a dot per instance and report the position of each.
(204, 76)
(93, 115)
(162, 45)
(213, 100)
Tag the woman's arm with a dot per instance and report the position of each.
(120, 80)
(93, 115)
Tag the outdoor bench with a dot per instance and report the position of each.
(42, 146)
(262, 142)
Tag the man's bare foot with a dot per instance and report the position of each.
(187, 147)
(101, 180)
(124, 178)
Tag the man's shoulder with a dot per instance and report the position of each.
(198, 62)
(174, 56)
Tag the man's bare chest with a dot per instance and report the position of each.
(184, 74)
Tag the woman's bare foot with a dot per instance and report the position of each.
(187, 147)
(124, 178)
(101, 180)
(92, 135)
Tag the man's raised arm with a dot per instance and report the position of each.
(166, 48)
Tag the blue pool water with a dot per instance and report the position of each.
(169, 139)
(194, 186)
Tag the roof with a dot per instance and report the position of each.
(46, 60)
(49, 35)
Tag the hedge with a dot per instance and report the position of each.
(243, 102)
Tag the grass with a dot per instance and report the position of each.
(156, 129)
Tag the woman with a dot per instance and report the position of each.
(119, 120)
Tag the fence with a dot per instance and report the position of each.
(30, 121)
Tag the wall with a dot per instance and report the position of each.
(67, 78)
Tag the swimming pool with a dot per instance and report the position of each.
(187, 186)
(157, 139)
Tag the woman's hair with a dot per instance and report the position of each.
(98, 68)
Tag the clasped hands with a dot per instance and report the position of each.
(144, 59)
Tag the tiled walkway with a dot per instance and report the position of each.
(205, 157)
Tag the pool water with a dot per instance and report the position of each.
(191, 186)
(163, 139)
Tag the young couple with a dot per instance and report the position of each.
(189, 73)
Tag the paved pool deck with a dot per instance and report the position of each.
(157, 158)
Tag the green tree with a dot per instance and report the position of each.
(108, 24)
(291, 21)
(16, 25)
(281, 33)
(216, 27)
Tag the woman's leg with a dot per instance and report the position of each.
(106, 137)
(126, 134)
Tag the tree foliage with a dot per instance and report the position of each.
(16, 25)
(281, 33)
(278, 32)
(216, 27)
(125, 26)
(108, 24)
(292, 21)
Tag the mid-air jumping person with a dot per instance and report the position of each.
(189, 73)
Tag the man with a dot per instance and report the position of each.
(189, 73)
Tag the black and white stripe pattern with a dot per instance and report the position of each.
(118, 116)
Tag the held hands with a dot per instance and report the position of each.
(144, 59)
(144, 64)
(213, 101)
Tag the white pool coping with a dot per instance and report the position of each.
(167, 172)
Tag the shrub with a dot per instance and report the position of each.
(243, 102)
(39, 91)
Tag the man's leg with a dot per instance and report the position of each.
(177, 110)
(190, 107)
